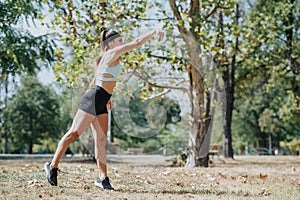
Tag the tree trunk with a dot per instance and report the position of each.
(197, 128)
(199, 113)
(262, 139)
(228, 73)
(198, 117)
(31, 128)
(30, 146)
(6, 136)
(228, 151)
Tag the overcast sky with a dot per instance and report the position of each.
(46, 76)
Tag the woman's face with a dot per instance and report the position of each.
(118, 42)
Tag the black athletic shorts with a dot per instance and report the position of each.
(94, 101)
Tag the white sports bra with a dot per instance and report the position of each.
(114, 71)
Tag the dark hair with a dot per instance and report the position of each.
(106, 36)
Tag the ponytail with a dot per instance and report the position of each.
(102, 46)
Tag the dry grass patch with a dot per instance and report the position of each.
(150, 177)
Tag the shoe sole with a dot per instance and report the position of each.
(98, 185)
(101, 186)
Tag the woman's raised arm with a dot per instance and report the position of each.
(137, 42)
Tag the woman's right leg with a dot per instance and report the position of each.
(80, 122)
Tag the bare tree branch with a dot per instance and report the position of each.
(194, 10)
(155, 19)
(157, 95)
(213, 11)
(178, 17)
(149, 98)
(162, 86)
(134, 69)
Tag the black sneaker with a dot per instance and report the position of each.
(104, 184)
(51, 174)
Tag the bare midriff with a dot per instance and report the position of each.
(107, 85)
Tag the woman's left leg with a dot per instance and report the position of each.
(99, 128)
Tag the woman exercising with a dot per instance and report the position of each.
(93, 106)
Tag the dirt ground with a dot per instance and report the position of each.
(151, 177)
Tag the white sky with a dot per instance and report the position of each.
(46, 76)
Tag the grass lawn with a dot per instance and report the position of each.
(151, 177)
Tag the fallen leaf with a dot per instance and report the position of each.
(166, 173)
(34, 183)
(245, 194)
(263, 176)
(210, 178)
(244, 176)
(192, 174)
(265, 192)
(179, 184)
(222, 175)
(86, 187)
(189, 195)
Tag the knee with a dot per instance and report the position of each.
(101, 141)
(70, 137)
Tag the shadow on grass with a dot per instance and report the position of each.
(110, 161)
(255, 160)
(177, 192)
(91, 160)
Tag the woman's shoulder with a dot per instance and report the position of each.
(109, 64)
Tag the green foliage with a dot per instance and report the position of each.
(32, 114)
(140, 124)
(20, 51)
(80, 23)
(293, 145)
(12, 11)
(267, 82)
(267, 71)
(144, 112)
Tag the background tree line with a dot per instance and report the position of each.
(248, 63)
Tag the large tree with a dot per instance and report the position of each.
(268, 80)
(190, 35)
(202, 36)
(20, 51)
(31, 114)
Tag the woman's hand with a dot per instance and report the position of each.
(160, 34)
(109, 105)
